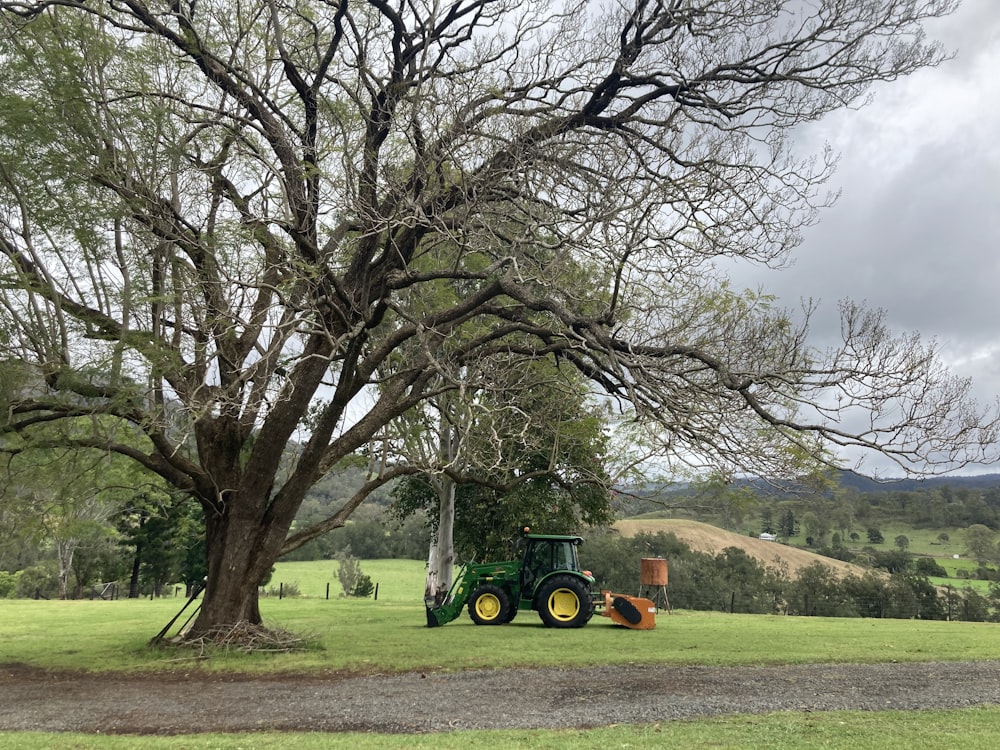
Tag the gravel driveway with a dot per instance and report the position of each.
(501, 699)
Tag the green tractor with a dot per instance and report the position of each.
(547, 579)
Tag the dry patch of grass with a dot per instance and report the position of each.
(702, 537)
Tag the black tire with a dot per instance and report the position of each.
(489, 605)
(564, 601)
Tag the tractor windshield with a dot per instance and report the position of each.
(547, 555)
(564, 556)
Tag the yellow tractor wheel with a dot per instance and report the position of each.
(489, 605)
(564, 601)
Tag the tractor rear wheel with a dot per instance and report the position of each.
(564, 602)
(489, 605)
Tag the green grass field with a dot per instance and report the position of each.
(969, 729)
(398, 580)
(952, 554)
(924, 541)
(390, 635)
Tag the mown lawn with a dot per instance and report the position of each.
(968, 729)
(390, 634)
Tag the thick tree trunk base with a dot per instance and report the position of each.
(237, 562)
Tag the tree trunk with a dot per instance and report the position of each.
(241, 548)
(441, 559)
(133, 581)
(431, 584)
(64, 552)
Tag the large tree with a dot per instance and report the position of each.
(214, 220)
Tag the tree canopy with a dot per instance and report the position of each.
(222, 229)
(532, 453)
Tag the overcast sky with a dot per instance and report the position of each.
(916, 230)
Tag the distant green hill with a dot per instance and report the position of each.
(864, 484)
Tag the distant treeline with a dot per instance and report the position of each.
(732, 581)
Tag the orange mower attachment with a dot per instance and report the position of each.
(629, 611)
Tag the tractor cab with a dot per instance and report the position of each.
(545, 554)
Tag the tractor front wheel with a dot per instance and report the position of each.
(564, 602)
(489, 605)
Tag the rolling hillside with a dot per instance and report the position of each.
(702, 537)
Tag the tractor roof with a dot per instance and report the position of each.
(556, 537)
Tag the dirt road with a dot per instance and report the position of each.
(501, 699)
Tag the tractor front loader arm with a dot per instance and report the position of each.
(457, 598)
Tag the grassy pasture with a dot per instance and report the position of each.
(922, 541)
(398, 580)
(390, 634)
(960, 584)
(925, 543)
(968, 729)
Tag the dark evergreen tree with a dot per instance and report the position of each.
(766, 521)
(788, 527)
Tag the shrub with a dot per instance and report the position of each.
(837, 553)
(354, 582)
(970, 606)
(929, 606)
(363, 587)
(986, 573)
(868, 593)
(817, 592)
(38, 581)
(285, 590)
(8, 584)
(928, 566)
(892, 561)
